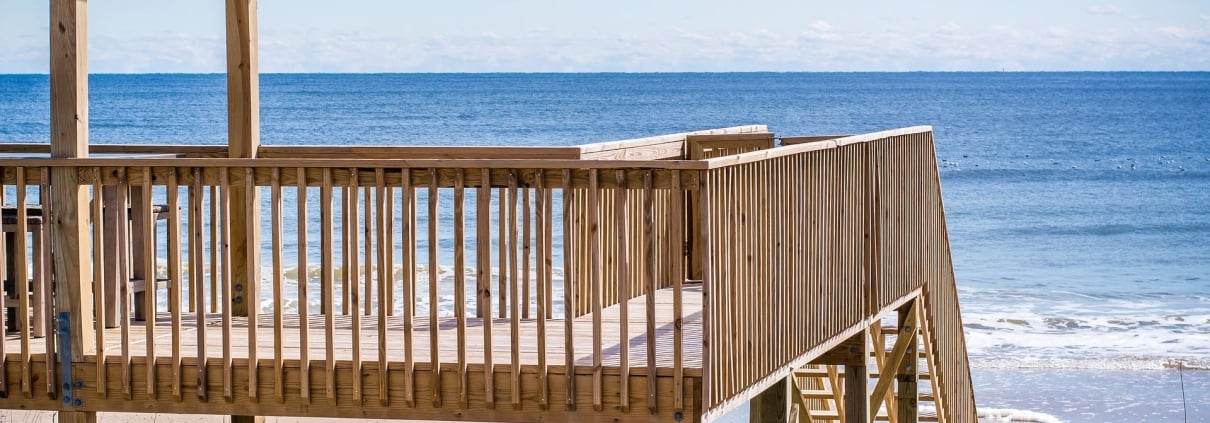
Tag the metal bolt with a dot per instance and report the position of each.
(79, 402)
(80, 384)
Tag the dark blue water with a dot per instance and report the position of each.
(1078, 203)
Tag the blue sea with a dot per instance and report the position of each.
(1078, 204)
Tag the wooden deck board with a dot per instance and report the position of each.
(447, 335)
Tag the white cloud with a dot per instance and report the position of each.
(1104, 10)
(819, 46)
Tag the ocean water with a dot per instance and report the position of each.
(1078, 204)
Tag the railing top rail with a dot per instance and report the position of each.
(441, 157)
(361, 163)
(660, 139)
(756, 156)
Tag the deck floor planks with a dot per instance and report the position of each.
(447, 331)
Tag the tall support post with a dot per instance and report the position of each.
(908, 371)
(857, 387)
(243, 138)
(72, 264)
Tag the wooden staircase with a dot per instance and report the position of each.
(820, 386)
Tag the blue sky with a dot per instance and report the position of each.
(631, 36)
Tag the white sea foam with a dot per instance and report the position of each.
(1007, 415)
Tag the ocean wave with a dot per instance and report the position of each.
(1009, 415)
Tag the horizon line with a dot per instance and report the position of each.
(629, 72)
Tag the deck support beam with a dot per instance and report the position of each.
(243, 132)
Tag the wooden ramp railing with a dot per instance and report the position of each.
(661, 279)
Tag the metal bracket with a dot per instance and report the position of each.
(69, 384)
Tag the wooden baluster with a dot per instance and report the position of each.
(197, 272)
(174, 279)
(594, 269)
(460, 283)
(408, 235)
(279, 290)
(514, 295)
(21, 278)
(251, 298)
(569, 297)
(434, 271)
(304, 299)
(483, 275)
(384, 279)
(622, 260)
(99, 256)
(543, 258)
(352, 275)
(652, 284)
(226, 303)
(328, 282)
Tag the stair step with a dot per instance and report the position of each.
(807, 372)
(817, 394)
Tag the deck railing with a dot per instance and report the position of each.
(395, 280)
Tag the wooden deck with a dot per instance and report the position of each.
(447, 344)
(454, 403)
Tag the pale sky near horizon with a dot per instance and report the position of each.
(136, 36)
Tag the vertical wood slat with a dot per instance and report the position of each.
(42, 290)
(503, 253)
(279, 291)
(99, 257)
(149, 278)
(569, 298)
(514, 295)
(251, 285)
(709, 363)
(460, 284)
(434, 327)
(21, 275)
(214, 247)
(174, 278)
(547, 263)
(368, 258)
(542, 257)
(408, 238)
(594, 268)
(649, 253)
(304, 318)
(197, 272)
(4, 313)
(676, 268)
(385, 279)
(352, 273)
(226, 288)
(124, 290)
(483, 252)
(327, 282)
(525, 251)
(622, 260)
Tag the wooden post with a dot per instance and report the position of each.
(243, 132)
(856, 393)
(72, 267)
(907, 395)
(773, 405)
